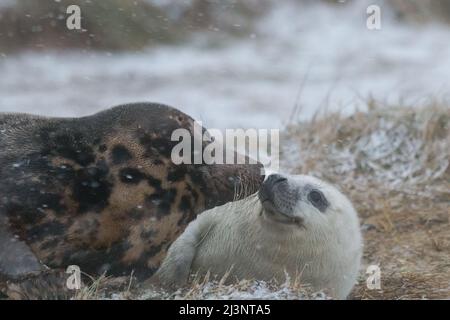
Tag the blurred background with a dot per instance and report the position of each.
(248, 63)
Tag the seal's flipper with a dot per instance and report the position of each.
(176, 267)
(47, 285)
(16, 258)
(25, 277)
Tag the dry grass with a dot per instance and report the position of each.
(394, 164)
(103, 287)
(198, 288)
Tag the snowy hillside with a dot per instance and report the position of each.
(313, 55)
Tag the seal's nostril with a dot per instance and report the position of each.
(267, 191)
(274, 179)
(279, 180)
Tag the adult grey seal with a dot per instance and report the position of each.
(101, 191)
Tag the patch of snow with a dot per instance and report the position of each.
(241, 291)
(392, 150)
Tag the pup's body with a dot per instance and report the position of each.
(298, 225)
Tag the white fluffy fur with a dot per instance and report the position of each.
(325, 253)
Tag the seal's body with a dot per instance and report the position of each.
(297, 225)
(101, 192)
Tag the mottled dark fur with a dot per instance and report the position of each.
(101, 191)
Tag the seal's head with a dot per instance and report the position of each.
(305, 202)
(317, 227)
(295, 225)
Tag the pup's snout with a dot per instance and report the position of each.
(270, 186)
(278, 198)
(275, 178)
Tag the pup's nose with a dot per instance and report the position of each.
(266, 191)
(274, 179)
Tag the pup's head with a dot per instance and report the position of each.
(304, 202)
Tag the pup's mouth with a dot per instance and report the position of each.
(277, 216)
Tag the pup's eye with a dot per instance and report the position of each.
(318, 200)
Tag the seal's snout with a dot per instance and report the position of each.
(278, 198)
(274, 178)
(271, 187)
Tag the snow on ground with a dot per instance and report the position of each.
(250, 82)
(244, 290)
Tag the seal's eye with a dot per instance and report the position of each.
(318, 200)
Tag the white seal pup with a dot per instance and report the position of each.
(296, 224)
